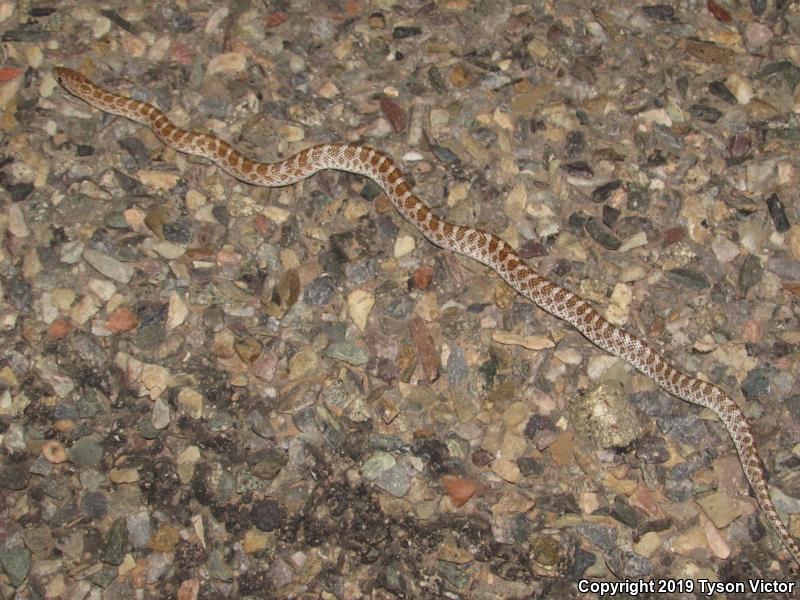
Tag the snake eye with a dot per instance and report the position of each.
(58, 72)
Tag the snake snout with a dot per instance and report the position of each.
(58, 73)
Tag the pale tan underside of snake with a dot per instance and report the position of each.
(483, 247)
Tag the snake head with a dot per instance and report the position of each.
(70, 80)
(60, 73)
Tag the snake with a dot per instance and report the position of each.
(486, 248)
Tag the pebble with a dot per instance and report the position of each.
(395, 480)
(393, 112)
(292, 133)
(531, 342)
(304, 363)
(164, 539)
(569, 356)
(652, 450)
(84, 310)
(402, 32)
(94, 505)
(704, 112)
(377, 464)
(19, 293)
(599, 365)
(360, 303)
(347, 351)
(516, 201)
(328, 90)
(720, 90)
(230, 63)
(161, 414)
(459, 490)
(126, 475)
(778, 213)
(404, 245)
(217, 567)
(101, 288)
(506, 469)
(757, 35)
(793, 241)
(16, 222)
(693, 542)
(85, 452)
(187, 460)
(139, 529)
(121, 320)
(648, 544)
(267, 515)
(16, 563)
(716, 542)
(108, 266)
(176, 312)
(255, 541)
(451, 552)
(605, 417)
(562, 449)
(740, 87)
(156, 379)
(720, 508)
(14, 438)
(688, 278)
(320, 291)
(602, 235)
(14, 478)
(54, 452)
(190, 402)
(619, 306)
(160, 181)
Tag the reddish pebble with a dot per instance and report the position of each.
(393, 112)
(121, 320)
(182, 53)
(229, 260)
(673, 234)
(382, 204)
(753, 330)
(426, 350)
(9, 73)
(276, 18)
(645, 501)
(138, 575)
(458, 489)
(59, 329)
(200, 253)
(423, 277)
(353, 8)
(263, 224)
(189, 589)
(720, 14)
(739, 145)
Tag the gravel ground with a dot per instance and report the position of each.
(210, 390)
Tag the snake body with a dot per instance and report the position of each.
(484, 247)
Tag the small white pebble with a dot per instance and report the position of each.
(403, 245)
(101, 27)
(740, 87)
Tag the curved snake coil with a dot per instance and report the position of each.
(480, 245)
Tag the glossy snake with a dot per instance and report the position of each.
(480, 245)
